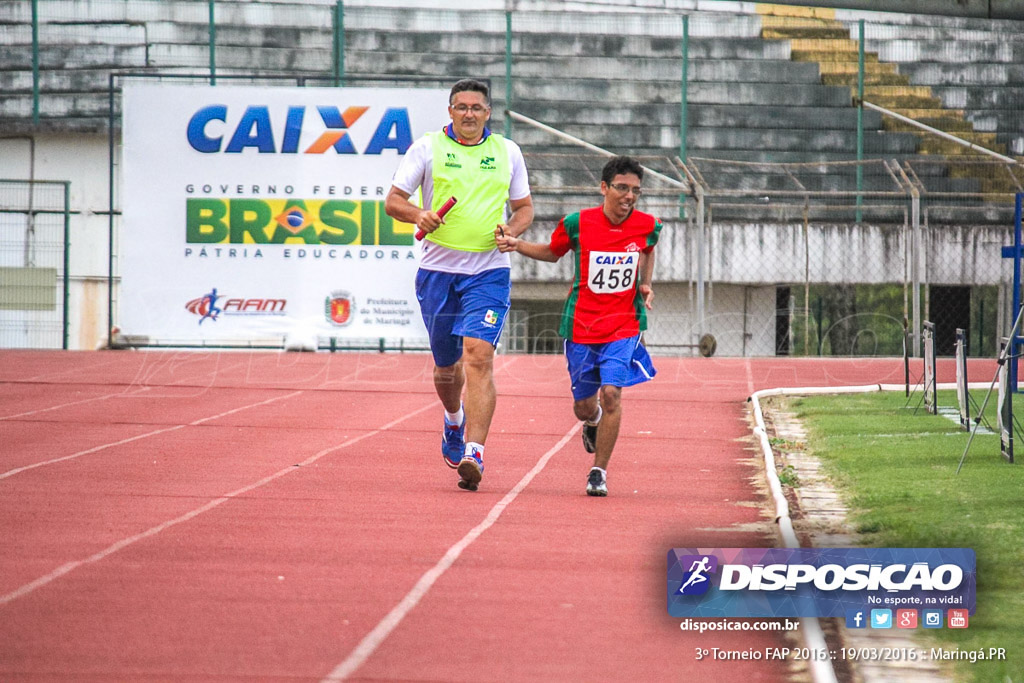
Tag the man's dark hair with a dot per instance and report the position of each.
(621, 166)
(471, 85)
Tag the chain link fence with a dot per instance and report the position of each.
(34, 219)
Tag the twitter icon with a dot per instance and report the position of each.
(881, 618)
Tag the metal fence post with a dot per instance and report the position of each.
(110, 213)
(860, 116)
(683, 104)
(339, 43)
(701, 238)
(213, 44)
(67, 260)
(917, 256)
(35, 62)
(508, 73)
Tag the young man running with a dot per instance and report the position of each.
(607, 306)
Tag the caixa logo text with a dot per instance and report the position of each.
(829, 577)
(258, 129)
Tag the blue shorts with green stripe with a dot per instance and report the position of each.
(454, 306)
(620, 363)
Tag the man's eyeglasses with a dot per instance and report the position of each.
(623, 188)
(462, 109)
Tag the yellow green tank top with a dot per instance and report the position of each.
(479, 178)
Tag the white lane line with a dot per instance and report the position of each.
(95, 449)
(74, 403)
(124, 543)
(390, 622)
(127, 392)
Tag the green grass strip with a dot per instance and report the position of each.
(895, 467)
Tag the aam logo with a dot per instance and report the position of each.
(698, 568)
(212, 305)
(256, 128)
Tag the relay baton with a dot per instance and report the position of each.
(420, 234)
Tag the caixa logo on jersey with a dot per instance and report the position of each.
(817, 582)
(217, 128)
(212, 305)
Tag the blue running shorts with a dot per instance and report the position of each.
(621, 363)
(454, 306)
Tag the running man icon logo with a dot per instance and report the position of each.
(205, 306)
(696, 580)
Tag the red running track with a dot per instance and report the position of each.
(261, 516)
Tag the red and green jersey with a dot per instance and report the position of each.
(604, 301)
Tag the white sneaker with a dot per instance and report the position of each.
(596, 482)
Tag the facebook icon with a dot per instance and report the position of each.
(855, 618)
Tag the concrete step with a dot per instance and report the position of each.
(268, 59)
(997, 120)
(700, 70)
(81, 56)
(935, 29)
(782, 21)
(960, 51)
(920, 114)
(794, 11)
(826, 45)
(782, 117)
(870, 78)
(852, 67)
(980, 99)
(76, 81)
(925, 166)
(632, 91)
(976, 75)
(895, 102)
(822, 56)
(948, 124)
(560, 45)
(933, 144)
(1014, 144)
(900, 97)
(646, 69)
(753, 180)
(284, 37)
(86, 33)
(805, 33)
(71, 105)
(626, 23)
(227, 12)
(706, 138)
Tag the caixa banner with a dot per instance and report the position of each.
(817, 582)
(251, 212)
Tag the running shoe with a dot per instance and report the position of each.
(596, 484)
(471, 469)
(453, 443)
(589, 437)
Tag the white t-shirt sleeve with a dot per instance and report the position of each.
(519, 188)
(416, 170)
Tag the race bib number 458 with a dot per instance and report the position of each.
(612, 272)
